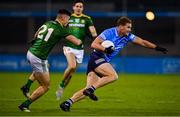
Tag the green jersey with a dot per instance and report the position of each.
(48, 35)
(78, 27)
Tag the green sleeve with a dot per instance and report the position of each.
(66, 32)
(89, 22)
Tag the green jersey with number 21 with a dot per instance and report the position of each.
(48, 35)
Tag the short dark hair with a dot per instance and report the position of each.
(64, 11)
(77, 1)
(123, 21)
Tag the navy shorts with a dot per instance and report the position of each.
(95, 61)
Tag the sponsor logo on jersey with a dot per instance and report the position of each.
(77, 25)
(82, 21)
(77, 20)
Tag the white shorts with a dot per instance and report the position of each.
(78, 53)
(37, 64)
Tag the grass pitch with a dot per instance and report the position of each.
(132, 94)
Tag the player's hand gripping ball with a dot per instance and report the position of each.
(109, 46)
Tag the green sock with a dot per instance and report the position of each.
(27, 103)
(62, 84)
(29, 83)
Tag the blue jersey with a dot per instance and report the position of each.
(120, 42)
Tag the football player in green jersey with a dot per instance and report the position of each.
(79, 24)
(50, 33)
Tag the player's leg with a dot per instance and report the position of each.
(91, 79)
(41, 74)
(71, 60)
(43, 79)
(74, 57)
(108, 75)
(25, 88)
(72, 65)
(44, 82)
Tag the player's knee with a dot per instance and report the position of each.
(114, 76)
(46, 88)
(72, 67)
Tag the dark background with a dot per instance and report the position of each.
(20, 19)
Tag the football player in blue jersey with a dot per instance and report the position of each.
(100, 72)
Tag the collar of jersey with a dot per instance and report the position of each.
(59, 23)
(77, 15)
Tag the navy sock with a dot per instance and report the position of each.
(69, 101)
(92, 89)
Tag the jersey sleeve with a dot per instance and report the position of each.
(104, 35)
(66, 32)
(132, 37)
(89, 22)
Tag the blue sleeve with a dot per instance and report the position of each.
(104, 35)
(132, 37)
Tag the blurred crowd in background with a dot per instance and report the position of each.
(20, 19)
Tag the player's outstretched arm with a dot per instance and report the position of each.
(92, 29)
(148, 44)
(74, 40)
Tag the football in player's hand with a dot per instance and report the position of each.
(107, 44)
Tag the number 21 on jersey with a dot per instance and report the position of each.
(44, 29)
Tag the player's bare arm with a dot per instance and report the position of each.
(144, 43)
(96, 44)
(73, 39)
(147, 44)
(93, 31)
